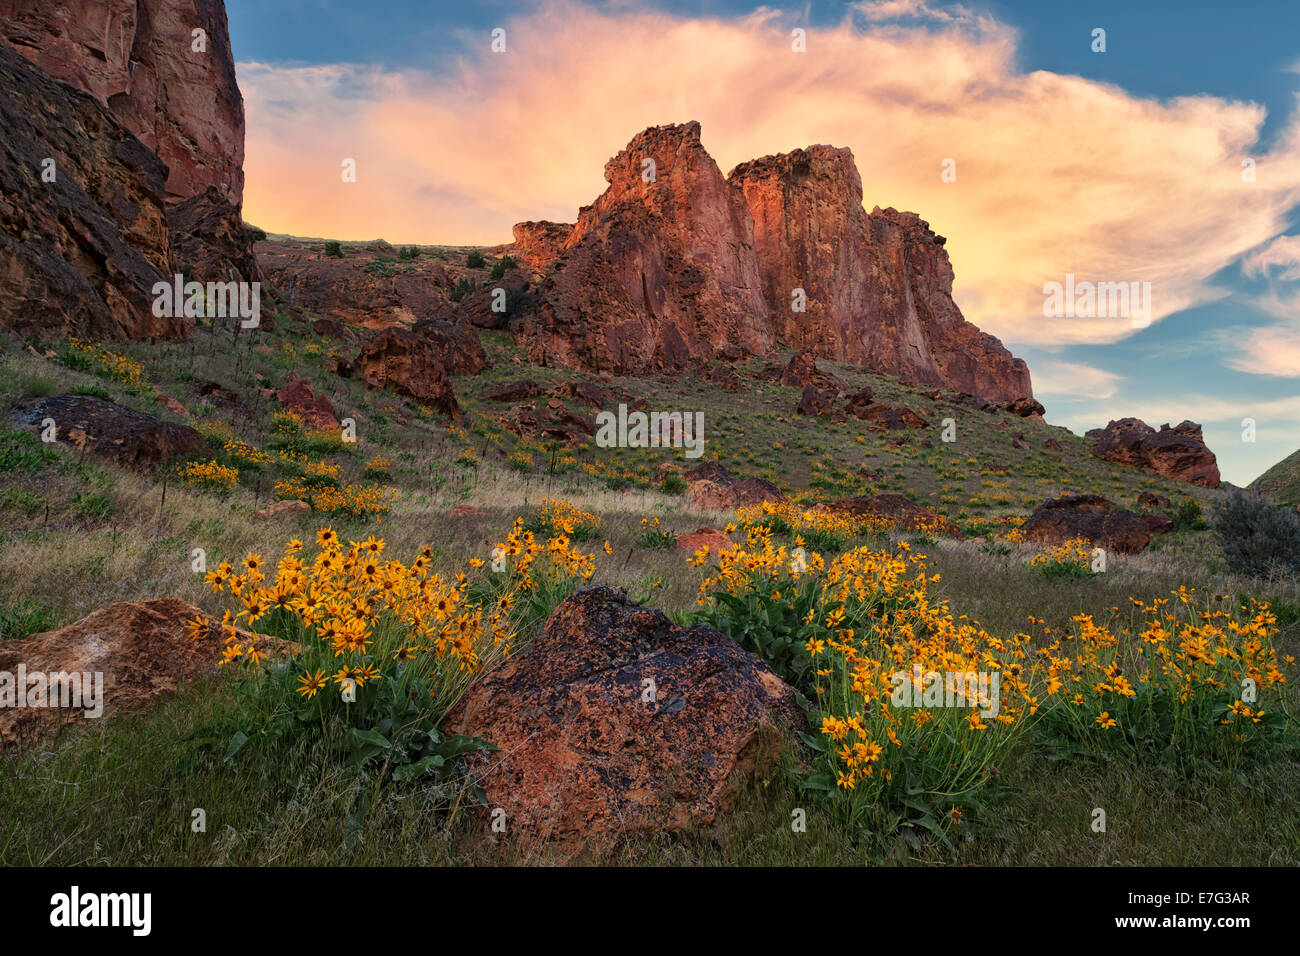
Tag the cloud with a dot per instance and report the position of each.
(1055, 173)
(1074, 380)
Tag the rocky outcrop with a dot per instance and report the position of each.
(360, 288)
(140, 59)
(712, 540)
(673, 262)
(209, 239)
(1095, 519)
(142, 650)
(83, 229)
(296, 395)
(416, 362)
(659, 270)
(616, 721)
(1178, 453)
(111, 431)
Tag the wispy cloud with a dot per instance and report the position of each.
(1055, 173)
(1074, 380)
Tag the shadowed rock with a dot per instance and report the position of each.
(111, 431)
(584, 752)
(1179, 453)
(1095, 519)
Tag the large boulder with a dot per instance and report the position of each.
(417, 361)
(111, 431)
(1179, 452)
(82, 241)
(296, 395)
(1096, 519)
(141, 650)
(616, 721)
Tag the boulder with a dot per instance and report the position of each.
(208, 236)
(802, 371)
(515, 391)
(816, 402)
(296, 395)
(1095, 519)
(882, 417)
(1178, 453)
(141, 648)
(583, 756)
(712, 488)
(710, 538)
(417, 361)
(1152, 499)
(111, 431)
(281, 508)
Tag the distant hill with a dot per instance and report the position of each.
(1282, 481)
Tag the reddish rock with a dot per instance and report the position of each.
(412, 363)
(857, 403)
(280, 508)
(466, 511)
(582, 754)
(516, 391)
(539, 244)
(79, 255)
(1095, 519)
(111, 431)
(1025, 408)
(297, 396)
(894, 510)
(1052, 445)
(803, 371)
(712, 488)
(1151, 499)
(883, 417)
(882, 296)
(588, 393)
(723, 376)
(136, 58)
(710, 538)
(1178, 453)
(208, 237)
(816, 402)
(142, 650)
(654, 274)
(553, 421)
(172, 404)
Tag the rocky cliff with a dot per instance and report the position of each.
(139, 58)
(673, 262)
(83, 228)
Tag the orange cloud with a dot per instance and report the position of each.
(1055, 174)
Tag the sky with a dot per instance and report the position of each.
(1169, 161)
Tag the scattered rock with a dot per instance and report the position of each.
(280, 508)
(802, 371)
(816, 402)
(172, 404)
(112, 431)
(1151, 499)
(882, 417)
(582, 757)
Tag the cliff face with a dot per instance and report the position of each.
(81, 245)
(877, 287)
(137, 58)
(654, 272)
(657, 273)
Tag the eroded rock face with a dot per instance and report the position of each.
(137, 58)
(582, 756)
(111, 431)
(208, 237)
(416, 362)
(878, 286)
(79, 255)
(653, 274)
(1095, 519)
(656, 273)
(1178, 453)
(296, 395)
(141, 649)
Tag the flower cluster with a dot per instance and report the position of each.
(210, 474)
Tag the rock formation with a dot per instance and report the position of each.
(83, 229)
(583, 756)
(1178, 453)
(140, 58)
(673, 263)
(1096, 519)
(111, 431)
(416, 362)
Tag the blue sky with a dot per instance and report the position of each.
(1228, 355)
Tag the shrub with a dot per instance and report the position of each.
(462, 288)
(210, 474)
(502, 266)
(1189, 516)
(92, 507)
(334, 248)
(254, 233)
(381, 268)
(1069, 559)
(475, 260)
(653, 536)
(1258, 538)
(673, 484)
(559, 518)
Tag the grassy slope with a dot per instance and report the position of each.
(106, 536)
(1282, 481)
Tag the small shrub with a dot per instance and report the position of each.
(462, 288)
(502, 266)
(254, 233)
(93, 507)
(1189, 516)
(673, 484)
(475, 260)
(40, 386)
(333, 248)
(652, 536)
(1257, 537)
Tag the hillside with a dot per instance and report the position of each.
(1282, 481)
